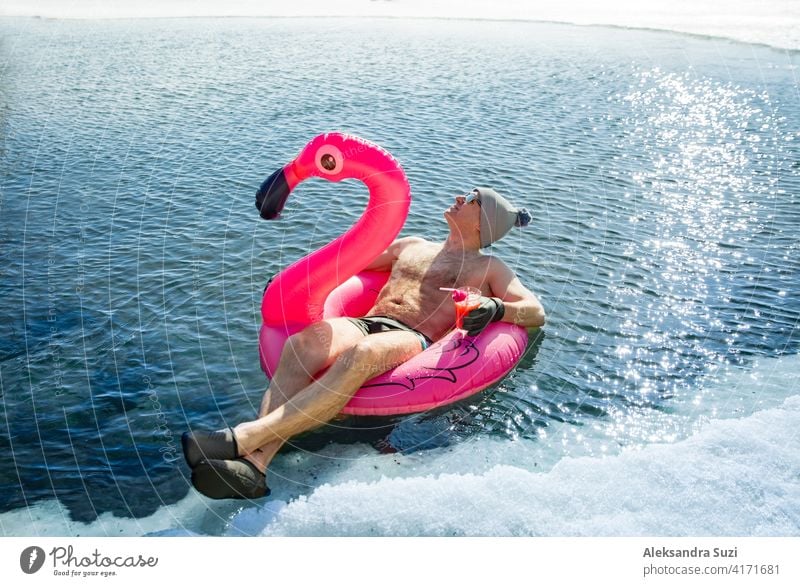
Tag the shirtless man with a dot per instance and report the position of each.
(409, 313)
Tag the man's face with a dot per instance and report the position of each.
(465, 214)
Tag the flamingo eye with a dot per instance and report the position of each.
(328, 162)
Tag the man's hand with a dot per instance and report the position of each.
(490, 310)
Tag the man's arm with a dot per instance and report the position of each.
(522, 307)
(386, 259)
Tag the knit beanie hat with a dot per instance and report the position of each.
(498, 216)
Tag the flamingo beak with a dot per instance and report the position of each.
(272, 195)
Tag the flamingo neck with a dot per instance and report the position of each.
(298, 294)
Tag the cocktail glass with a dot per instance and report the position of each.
(466, 299)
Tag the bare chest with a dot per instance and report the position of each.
(430, 267)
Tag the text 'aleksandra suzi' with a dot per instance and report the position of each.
(694, 552)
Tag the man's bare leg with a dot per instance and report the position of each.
(321, 400)
(242, 474)
(304, 354)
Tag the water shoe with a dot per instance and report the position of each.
(229, 479)
(209, 445)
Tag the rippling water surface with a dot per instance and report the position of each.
(661, 170)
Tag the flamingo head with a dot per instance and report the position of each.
(333, 156)
(325, 156)
(329, 156)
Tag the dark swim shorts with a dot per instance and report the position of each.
(375, 324)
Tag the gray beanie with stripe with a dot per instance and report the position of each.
(498, 216)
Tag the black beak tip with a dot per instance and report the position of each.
(272, 195)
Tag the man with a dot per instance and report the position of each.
(410, 312)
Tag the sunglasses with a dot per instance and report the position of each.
(472, 196)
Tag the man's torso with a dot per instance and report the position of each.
(412, 293)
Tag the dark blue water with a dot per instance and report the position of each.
(661, 170)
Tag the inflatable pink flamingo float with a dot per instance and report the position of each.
(331, 282)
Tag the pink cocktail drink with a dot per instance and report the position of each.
(466, 299)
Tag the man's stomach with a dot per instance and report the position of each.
(426, 321)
